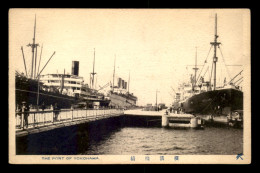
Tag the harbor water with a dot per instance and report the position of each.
(167, 141)
(115, 136)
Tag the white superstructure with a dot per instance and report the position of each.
(72, 83)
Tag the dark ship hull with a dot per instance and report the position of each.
(217, 102)
(27, 90)
(48, 98)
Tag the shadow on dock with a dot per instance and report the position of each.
(141, 121)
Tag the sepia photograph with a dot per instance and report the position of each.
(129, 86)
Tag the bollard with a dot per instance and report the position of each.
(194, 122)
(199, 121)
(165, 121)
(211, 118)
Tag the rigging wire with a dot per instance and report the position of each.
(211, 72)
(204, 64)
(18, 72)
(224, 63)
(205, 72)
(40, 61)
(24, 61)
(239, 82)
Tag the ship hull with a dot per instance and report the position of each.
(121, 101)
(30, 97)
(26, 90)
(217, 102)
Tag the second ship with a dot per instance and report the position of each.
(201, 97)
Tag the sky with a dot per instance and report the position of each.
(156, 46)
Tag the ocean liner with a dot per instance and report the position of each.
(119, 94)
(67, 90)
(204, 98)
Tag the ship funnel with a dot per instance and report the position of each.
(123, 84)
(75, 68)
(119, 82)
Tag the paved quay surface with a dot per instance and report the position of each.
(140, 112)
(143, 113)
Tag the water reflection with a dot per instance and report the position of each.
(154, 141)
(116, 139)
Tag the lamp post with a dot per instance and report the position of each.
(156, 100)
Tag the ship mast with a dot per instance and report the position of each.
(33, 46)
(93, 73)
(215, 58)
(195, 69)
(114, 73)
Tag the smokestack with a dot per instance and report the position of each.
(75, 68)
(123, 84)
(119, 82)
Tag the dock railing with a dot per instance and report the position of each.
(32, 119)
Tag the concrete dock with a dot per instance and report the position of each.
(165, 120)
(45, 121)
(42, 121)
(46, 130)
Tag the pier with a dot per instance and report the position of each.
(163, 119)
(181, 120)
(54, 131)
(32, 122)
